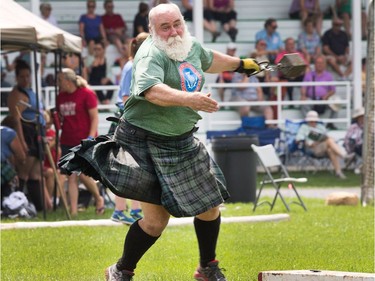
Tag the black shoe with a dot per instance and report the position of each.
(232, 34)
(214, 36)
(330, 126)
(210, 273)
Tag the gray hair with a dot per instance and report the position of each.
(154, 12)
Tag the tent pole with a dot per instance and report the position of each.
(40, 135)
(57, 133)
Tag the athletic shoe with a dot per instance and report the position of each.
(113, 274)
(119, 216)
(136, 214)
(210, 273)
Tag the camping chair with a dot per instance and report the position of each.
(268, 157)
(295, 152)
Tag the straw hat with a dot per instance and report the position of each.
(358, 112)
(334, 106)
(312, 116)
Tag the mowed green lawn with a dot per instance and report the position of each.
(325, 237)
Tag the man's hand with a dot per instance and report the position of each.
(248, 66)
(203, 102)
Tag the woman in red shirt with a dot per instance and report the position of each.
(78, 108)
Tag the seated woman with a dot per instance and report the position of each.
(208, 18)
(319, 144)
(99, 73)
(301, 9)
(309, 42)
(91, 25)
(354, 136)
(223, 11)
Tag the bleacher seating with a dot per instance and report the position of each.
(251, 17)
(67, 13)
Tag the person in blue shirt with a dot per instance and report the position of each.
(123, 94)
(11, 152)
(272, 37)
(91, 25)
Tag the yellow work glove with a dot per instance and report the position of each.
(248, 66)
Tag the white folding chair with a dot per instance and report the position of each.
(269, 159)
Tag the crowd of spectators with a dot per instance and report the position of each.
(319, 48)
(326, 53)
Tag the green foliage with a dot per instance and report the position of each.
(325, 237)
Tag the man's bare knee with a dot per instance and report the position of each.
(155, 219)
(209, 215)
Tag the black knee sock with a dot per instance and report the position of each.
(207, 233)
(137, 242)
(21, 185)
(34, 193)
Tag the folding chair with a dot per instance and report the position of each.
(269, 159)
(295, 153)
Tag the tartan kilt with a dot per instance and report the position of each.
(175, 172)
(7, 172)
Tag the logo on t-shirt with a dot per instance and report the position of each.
(191, 79)
(68, 109)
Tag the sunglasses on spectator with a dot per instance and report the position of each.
(91, 6)
(273, 26)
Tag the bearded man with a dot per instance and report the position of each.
(178, 177)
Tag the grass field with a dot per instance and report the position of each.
(325, 237)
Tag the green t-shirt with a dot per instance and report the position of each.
(151, 67)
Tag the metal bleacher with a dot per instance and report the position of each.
(251, 17)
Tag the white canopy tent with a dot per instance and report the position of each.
(16, 23)
(22, 30)
(15, 36)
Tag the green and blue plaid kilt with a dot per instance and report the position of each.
(7, 172)
(175, 172)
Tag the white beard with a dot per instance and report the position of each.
(176, 48)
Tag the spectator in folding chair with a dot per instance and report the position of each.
(354, 136)
(318, 144)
